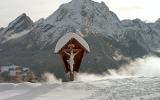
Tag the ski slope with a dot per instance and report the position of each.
(130, 88)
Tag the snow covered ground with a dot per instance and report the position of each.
(129, 88)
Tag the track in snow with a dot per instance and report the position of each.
(131, 88)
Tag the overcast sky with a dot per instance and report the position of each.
(147, 10)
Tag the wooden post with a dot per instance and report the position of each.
(71, 76)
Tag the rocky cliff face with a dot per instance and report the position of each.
(1, 29)
(141, 32)
(21, 25)
(111, 41)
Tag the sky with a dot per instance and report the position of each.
(146, 10)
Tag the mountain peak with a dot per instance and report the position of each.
(23, 15)
(86, 16)
(80, 0)
(21, 23)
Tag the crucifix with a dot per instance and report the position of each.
(71, 52)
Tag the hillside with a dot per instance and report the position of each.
(27, 43)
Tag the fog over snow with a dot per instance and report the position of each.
(142, 67)
(138, 80)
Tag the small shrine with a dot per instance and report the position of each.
(71, 47)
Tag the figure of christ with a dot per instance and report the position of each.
(71, 61)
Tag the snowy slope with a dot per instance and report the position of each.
(15, 35)
(130, 88)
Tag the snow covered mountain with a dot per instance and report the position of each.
(83, 16)
(32, 44)
(86, 16)
(20, 26)
(142, 33)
